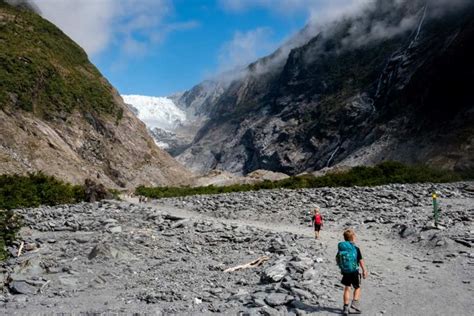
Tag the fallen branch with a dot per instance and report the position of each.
(43, 286)
(253, 264)
(20, 249)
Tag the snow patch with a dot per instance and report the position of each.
(155, 112)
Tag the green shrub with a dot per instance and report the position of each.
(30, 191)
(384, 173)
(115, 193)
(36, 189)
(44, 72)
(9, 226)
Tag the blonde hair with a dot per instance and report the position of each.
(349, 235)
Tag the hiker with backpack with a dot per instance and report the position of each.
(317, 222)
(349, 258)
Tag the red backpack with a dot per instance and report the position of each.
(318, 219)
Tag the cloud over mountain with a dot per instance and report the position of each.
(130, 25)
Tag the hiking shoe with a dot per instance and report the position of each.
(356, 306)
(345, 310)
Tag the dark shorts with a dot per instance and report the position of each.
(351, 279)
(317, 227)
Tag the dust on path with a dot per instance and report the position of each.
(402, 281)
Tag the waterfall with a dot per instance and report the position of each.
(332, 155)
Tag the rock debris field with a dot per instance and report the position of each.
(171, 256)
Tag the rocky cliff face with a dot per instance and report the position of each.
(200, 100)
(389, 83)
(59, 115)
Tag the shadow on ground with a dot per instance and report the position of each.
(315, 308)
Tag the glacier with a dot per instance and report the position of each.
(156, 112)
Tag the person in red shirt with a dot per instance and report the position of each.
(317, 222)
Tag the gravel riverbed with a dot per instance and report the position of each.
(170, 256)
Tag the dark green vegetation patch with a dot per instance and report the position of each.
(36, 189)
(9, 225)
(43, 71)
(30, 191)
(384, 173)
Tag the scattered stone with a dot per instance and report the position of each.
(309, 274)
(407, 231)
(278, 299)
(68, 281)
(115, 229)
(302, 293)
(274, 273)
(174, 265)
(179, 223)
(22, 287)
(102, 250)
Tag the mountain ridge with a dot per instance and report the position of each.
(352, 95)
(59, 115)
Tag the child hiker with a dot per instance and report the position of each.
(348, 259)
(317, 222)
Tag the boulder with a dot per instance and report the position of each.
(407, 231)
(115, 229)
(95, 191)
(274, 273)
(22, 287)
(278, 299)
(105, 251)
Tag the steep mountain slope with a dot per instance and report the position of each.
(59, 115)
(174, 121)
(199, 101)
(389, 83)
(162, 118)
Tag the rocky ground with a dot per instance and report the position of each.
(170, 256)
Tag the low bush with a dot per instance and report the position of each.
(30, 191)
(384, 173)
(9, 225)
(36, 189)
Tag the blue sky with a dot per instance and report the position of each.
(158, 47)
(185, 57)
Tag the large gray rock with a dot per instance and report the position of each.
(278, 299)
(310, 274)
(301, 263)
(105, 251)
(100, 250)
(274, 273)
(22, 287)
(407, 231)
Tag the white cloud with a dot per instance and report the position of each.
(314, 8)
(245, 47)
(131, 25)
(173, 27)
(278, 5)
(330, 10)
(86, 22)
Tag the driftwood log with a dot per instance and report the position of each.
(253, 264)
(20, 249)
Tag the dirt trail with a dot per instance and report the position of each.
(402, 281)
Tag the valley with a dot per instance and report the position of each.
(199, 201)
(169, 256)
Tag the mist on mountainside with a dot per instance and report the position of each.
(363, 22)
(360, 89)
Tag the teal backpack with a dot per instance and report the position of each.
(347, 257)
